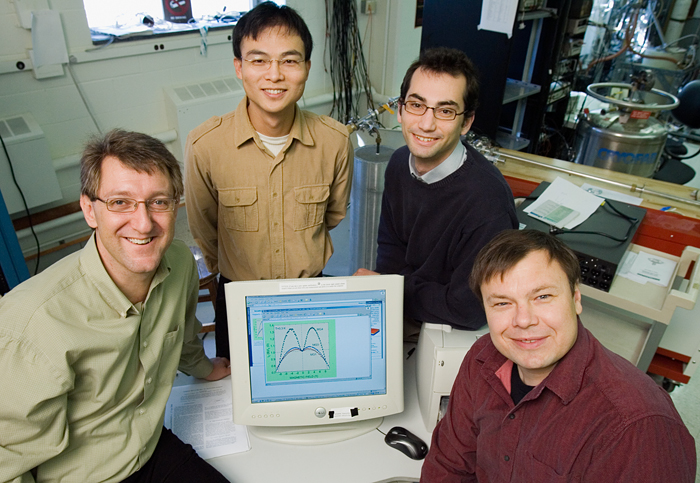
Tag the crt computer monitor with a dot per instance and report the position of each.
(316, 360)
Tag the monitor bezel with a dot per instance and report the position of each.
(303, 412)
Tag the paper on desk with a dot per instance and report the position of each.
(644, 267)
(564, 205)
(498, 16)
(611, 195)
(624, 269)
(201, 415)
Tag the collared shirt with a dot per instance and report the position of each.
(595, 418)
(442, 170)
(260, 216)
(85, 374)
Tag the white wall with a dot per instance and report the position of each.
(125, 88)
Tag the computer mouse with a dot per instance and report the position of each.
(406, 442)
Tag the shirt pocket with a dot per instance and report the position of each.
(533, 467)
(240, 208)
(310, 206)
(170, 356)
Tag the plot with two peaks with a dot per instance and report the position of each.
(300, 350)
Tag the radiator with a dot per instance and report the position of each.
(187, 106)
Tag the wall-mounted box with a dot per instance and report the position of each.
(31, 163)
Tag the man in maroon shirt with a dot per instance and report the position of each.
(539, 399)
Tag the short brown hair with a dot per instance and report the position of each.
(443, 60)
(509, 247)
(136, 151)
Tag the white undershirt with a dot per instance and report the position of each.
(275, 145)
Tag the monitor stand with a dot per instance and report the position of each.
(310, 435)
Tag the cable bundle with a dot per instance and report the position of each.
(347, 66)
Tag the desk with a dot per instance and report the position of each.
(364, 459)
(630, 320)
(635, 330)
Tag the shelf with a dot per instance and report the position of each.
(541, 13)
(508, 141)
(516, 90)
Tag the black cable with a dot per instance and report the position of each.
(26, 207)
(632, 220)
(347, 67)
(564, 231)
(570, 153)
(689, 156)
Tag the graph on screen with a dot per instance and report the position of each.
(300, 350)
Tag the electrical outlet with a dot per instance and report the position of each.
(368, 7)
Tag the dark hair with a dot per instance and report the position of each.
(509, 247)
(135, 150)
(268, 15)
(441, 60)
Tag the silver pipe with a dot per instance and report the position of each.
(631, 187)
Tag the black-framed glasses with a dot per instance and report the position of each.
(285, 65)
(418, 108)
(127, 205)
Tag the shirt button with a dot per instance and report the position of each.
(149, 380)
(145, 344)
(277, 251)
(143, 450)
(274, 194)
(142, 411)
(506, 457)
(511, 416)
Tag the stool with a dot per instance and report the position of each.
(207, 281)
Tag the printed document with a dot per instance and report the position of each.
(644, 267)
(201, 415)
(564, 205)
(498, 16)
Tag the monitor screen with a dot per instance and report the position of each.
(316, 352)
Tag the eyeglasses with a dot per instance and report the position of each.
(442, 113)
(127, 205)
(285, 65)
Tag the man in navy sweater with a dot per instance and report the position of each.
(443, 201)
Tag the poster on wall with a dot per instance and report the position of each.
(498, 16)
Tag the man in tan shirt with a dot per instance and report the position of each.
(265, 183)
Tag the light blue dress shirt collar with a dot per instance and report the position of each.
(453, 162)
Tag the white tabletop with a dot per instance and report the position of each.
(366, 458)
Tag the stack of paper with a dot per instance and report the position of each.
(201, 415)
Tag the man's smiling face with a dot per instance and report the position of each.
(532, 315)
(432, 140)
(131, 245)
(272, 92)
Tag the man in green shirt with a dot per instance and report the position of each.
(90, 347)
